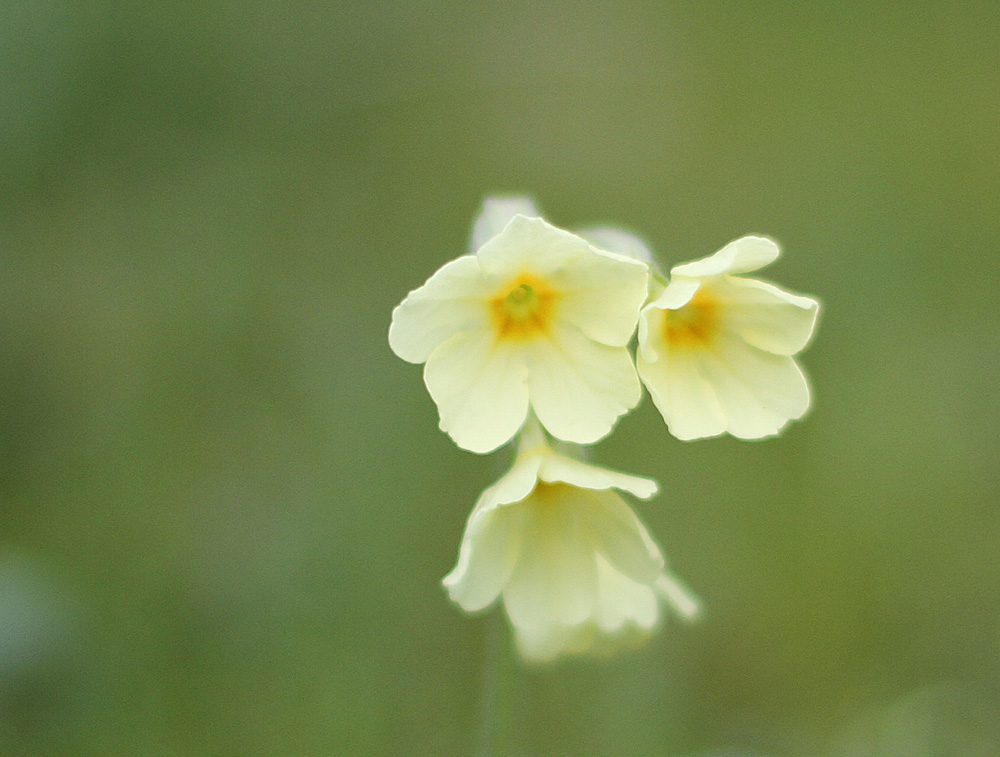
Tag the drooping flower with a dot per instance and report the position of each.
(537, 319)
(576, 569)
(716, 349)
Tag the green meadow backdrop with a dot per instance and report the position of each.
(225, 507)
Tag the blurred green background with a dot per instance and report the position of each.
(225, 505)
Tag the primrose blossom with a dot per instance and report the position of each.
(576, 569)
(537, 319)
(716, 349)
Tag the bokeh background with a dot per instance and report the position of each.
(225, 506)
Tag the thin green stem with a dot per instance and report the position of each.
(493, 735)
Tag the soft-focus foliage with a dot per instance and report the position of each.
(225, 507)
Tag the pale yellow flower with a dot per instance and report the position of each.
(576, 569)
(716, 349)
(537, 319)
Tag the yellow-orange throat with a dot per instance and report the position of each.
(523, 308)
(695, 324)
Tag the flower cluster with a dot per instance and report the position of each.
(529, 336)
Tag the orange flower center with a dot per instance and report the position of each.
(523, 308)
(693, 325)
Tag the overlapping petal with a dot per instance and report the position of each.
(616, 533)
(743, 255)
(555, 579)
(532, 244)
(768, 317)
(623, 601)
(625, 614)
(487, 556)
(480, 388)
(683, 396)
(448, 304)
(758, 391)
(568, 470)
(602, 295)
(579, 387)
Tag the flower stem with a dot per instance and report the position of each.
(531, 436)
(493, 736)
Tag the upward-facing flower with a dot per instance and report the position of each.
(537, 318)
(715, 348)
(577, 570)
